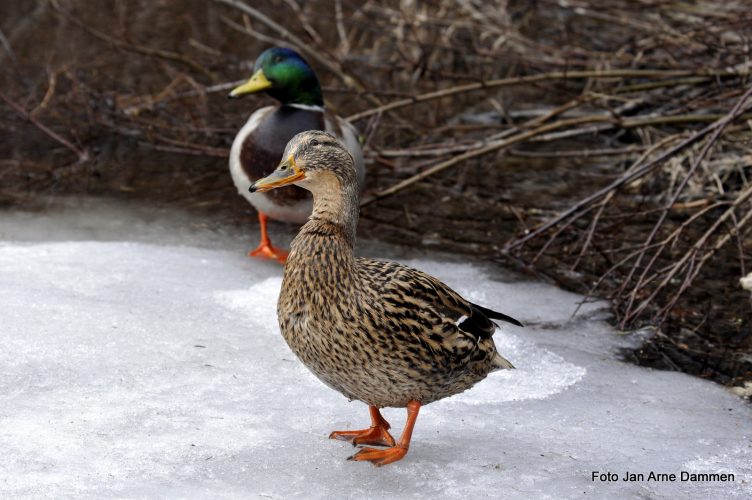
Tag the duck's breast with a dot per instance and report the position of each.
(258, 149)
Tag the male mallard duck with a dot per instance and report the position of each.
(285, 75)
(376, 331)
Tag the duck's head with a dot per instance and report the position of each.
(313, 160)
(285, 75)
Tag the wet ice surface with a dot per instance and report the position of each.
(154, 367)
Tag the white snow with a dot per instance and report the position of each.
(746, 282)
(140, 357)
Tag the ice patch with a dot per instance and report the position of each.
(137, 370)
(737, 461)
(67, 276)
(258, 303)
(538, 374)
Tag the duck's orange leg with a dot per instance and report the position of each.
(396, 452)
(266, 250)
(376, 435)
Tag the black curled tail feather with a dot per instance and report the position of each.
(479, 324)
(496, 315)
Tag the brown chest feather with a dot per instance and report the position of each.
(263, 148)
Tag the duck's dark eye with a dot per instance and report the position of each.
(277, 59)
(283, 167)
(315, 143)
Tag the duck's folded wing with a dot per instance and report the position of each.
(407, 289)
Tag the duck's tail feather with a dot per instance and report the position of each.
(501, 363)
(497, 315)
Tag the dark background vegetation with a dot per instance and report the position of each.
(604, 145)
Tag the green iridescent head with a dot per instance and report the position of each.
(285, 75)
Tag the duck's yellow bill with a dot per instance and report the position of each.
(286, 173)
(256, 83)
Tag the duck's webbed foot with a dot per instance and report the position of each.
(265, 249)
(397, 451)
(376, 435)
(380, 457)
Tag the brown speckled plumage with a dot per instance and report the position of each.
(379, 332)
(376, 331)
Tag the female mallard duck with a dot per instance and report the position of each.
(283, 74)
(376, 331)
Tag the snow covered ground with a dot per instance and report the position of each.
(140, 357)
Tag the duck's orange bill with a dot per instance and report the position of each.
(286, 173)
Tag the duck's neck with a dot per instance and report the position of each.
(337, 206)
(306, 93)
